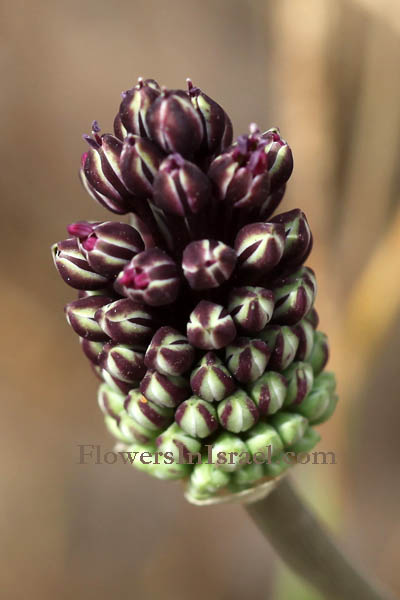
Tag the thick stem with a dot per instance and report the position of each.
(307, 548)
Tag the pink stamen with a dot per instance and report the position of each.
(90, 243)
(133, 278)
(81, 229)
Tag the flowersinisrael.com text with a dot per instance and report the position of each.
(94, 454)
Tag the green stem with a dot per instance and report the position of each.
(308, 549)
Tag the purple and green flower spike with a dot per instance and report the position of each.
(197, 311)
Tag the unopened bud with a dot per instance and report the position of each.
(207, 264)
(210, 326)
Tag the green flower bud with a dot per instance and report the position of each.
(171, 472)
(227, 450)
(127, 430)
(212, 381)
(333, 400)
(277, 467)
(110, 402)
(325, 380)
(320, 352)
(247, 358)
(237, 412)
(251, 308)
(178, 443)
(269, 392)
(169, 352)
(210, 326)
(283, 343)
(164, 390)
(80, 315)
(305, 332)
(307, 442)
(290, 426)
(206, 480)
(197, 417)
(248, 476)
(312, 318)
(300, 379)
(315, 404)
(264, 438)
(147, 413)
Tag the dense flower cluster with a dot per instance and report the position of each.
(197, 315)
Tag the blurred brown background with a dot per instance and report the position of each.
(326, 73)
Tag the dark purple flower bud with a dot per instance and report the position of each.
(271, 203)
(109, 292)
(305, 332)
(197, 417)
(123, 362)
(211, 380)
(92, 350)
(169, 352)
(148, 414)
(135, 106)
(120, 130)
(127, 322)
(207, 264)
(80, 315)
(151, 277)
(110, 402)
(298, 237)
(140, 160)
(74, 268)
(165, 390)
(247, 359)
(210, 326)
(217, 126)
(240, 174)
(280, 159)
(320, 352)
(101, 172)
(108, 246)
(174, 124)
(312, 318)
(269, 392)
(283, 343)
(237, 412)
(180, 187)
(251, 308)
(300, 379)
(294, 296)
(259, 248)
